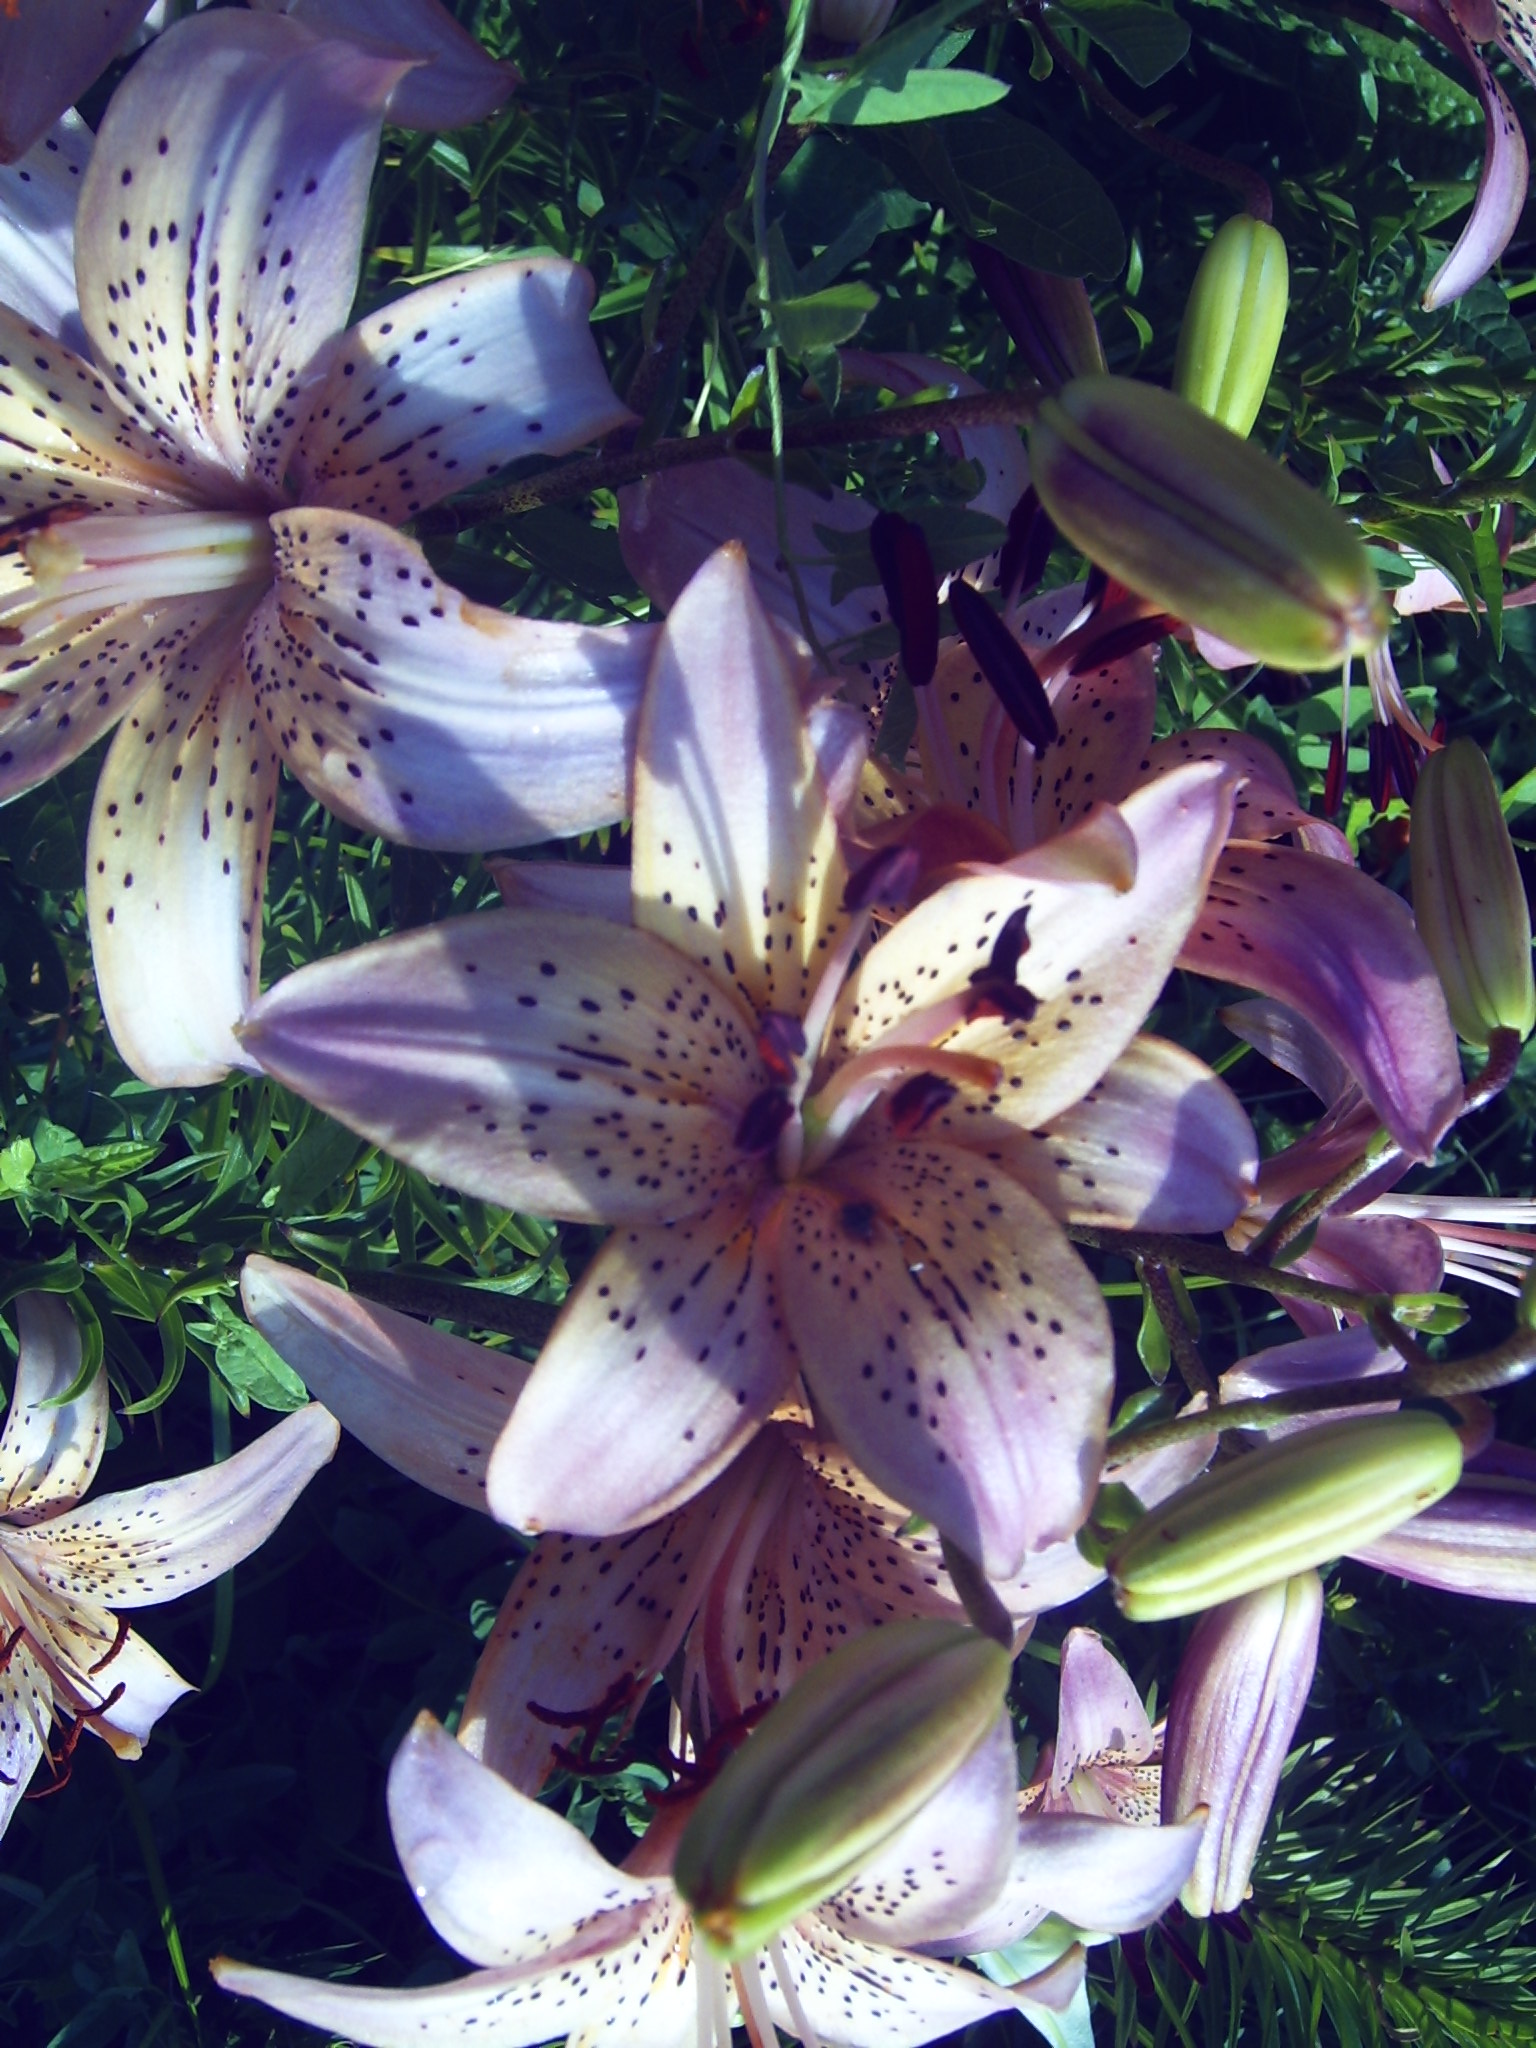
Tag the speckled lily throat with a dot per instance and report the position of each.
(202, 526)
(872, 1212)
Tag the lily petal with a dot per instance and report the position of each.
(1104, 727)
(735, 859)
(1289, 1042)
(37, 222)
(437, 391)
(174, 1535)
(428, 719)
(26, 1715)
(567, 885)
(67, 441)
(858, 1995)
(219, 228)
(1501, 188)
(428, 1403)
(149, 1684)
(586, 1620)
(948, 1863)
(981, 1405)
(1266, 806)
(1101, 1717)
(176, 868)
(502, 1880)
(559, 1064)
(455, 81)
(49, 1455)
(1101, 1875)
(1157, 1143)
(664, 1363)
(49, 55)
(1343, 951)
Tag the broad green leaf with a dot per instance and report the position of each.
(1031, 198)
(921, 96)
(822, 319)
(1145, 41)
(246, 1363)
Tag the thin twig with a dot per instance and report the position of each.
(1186, 1352)
(481, 1308)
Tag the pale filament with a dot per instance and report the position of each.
(108, 559)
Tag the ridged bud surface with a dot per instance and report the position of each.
(1281, 1509)
(1176, 506)
(1468, 899)
(1233, 322)
(1241, 1686)
(840, 1764)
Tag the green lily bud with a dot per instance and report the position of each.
(839, 1765)
(1280, 1510)
(1468, 899)
(1232, 324)
(1175, 506)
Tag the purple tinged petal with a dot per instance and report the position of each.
(953, 1341)
(502, 1880)
(1241, 1687)
(1501, 189)
(1101, 1717)
(1480, 1539)
(1266, 806)
(949, 1862)
(176, 868)
(573, 886)
(1320, 1360)
(530, 1057)
(455, 81)
(228, 185)
(49, 1455)
(1104, 1876)
(49, 55)
(428, 719)
(664, 1364)
(1342, 951)
(428, 1403)
(438, 390)
(38, 196)
(735, 858)
(174, 1535)
(1288, 1041)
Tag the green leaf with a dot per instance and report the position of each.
(922, 96)
(1144, 41)
(247, 1364)
(1031, 198)
(822, 319)
(16, 1164)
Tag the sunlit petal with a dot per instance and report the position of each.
(954, 1342)
(428, 1403)
(735, 857)
(1501, 188)
(49, 1455)
(176, 866)
(858, 1995)
(502, 1880)
(438, 390)
(426, 718)
(220, 222)
(665, 1362)
(1101, 1716)
(1104, 726)
(1100, 1875)
(565, 1066)
(149, 1686)
(174, 1535)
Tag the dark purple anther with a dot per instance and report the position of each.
(906, 570)
(1121, 641)
(918, 1101)
(762, 1120)
(1050, 318)
(1379, 768)
(780, 1044)
(1404, 757)
(1005, 665)
(1333, 781)
(888, 876)
(1027, 549)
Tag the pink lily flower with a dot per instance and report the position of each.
(821, 1159)
(67, 1567)
(201, 529)
(567, 1946)
(784, 1556)
(52, 50)
(1107, 1756)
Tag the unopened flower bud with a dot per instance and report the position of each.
(1050, 318)
(1232, 323)
(838, 1766)
(1468, 899)
(1282, 1509)
(1241, 1686)
(851, 21)
(1172, 504)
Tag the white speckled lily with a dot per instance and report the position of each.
(819, 1161)
(65, 1569)
(202, 521)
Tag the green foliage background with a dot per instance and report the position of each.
(1393, 1899)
